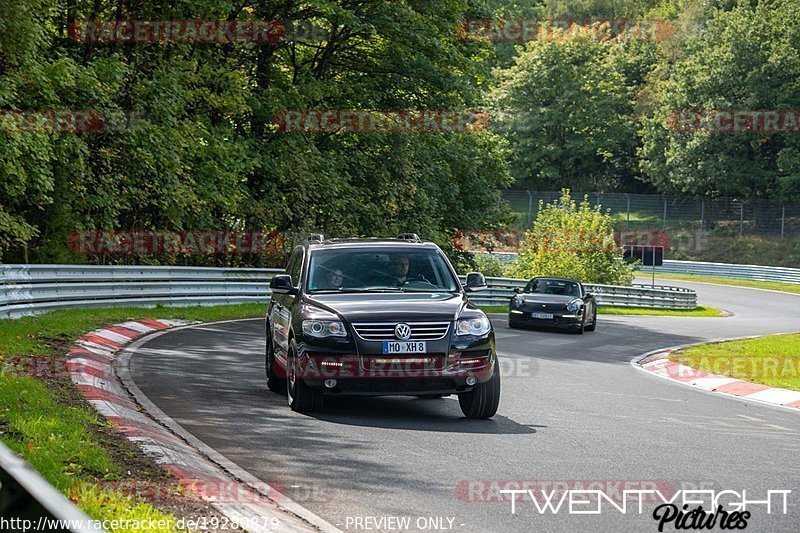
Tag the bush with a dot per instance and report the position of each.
(488, 265)
(572, 240)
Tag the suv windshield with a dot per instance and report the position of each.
(357, 269)
(554, 286)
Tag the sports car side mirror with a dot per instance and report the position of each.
(518, 290)
(588, 295)
(282, 284)
(476, 282)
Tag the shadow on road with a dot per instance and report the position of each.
(441, 415)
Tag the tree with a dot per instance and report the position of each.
(746, 58)
(572, 240)
(566, 108)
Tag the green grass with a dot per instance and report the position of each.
(57, 434)
(701, 311)
(772, 285)
(772, 360)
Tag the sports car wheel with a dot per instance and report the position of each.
(594, 321)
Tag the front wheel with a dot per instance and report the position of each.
(302, 398)
(484, 399)
(274, 383)
(594, 321)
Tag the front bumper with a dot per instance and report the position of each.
(451, 366)
(559, 320)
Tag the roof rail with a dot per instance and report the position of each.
(316, 237)
(409, 237)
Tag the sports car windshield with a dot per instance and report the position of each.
(554, 286)
(360, 270)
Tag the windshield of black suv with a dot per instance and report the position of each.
(554, 286)
(360, 269)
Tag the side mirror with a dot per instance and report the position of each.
(588, 295)
(476, 282)
(518, 290)
(282, 284)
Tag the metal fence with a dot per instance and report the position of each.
(29, 503)
(726, 270)
(30, 289)
(734, 216)
(502, 289)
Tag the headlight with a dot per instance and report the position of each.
(324, 328)
(473, 326)
(518, 300)
(574, 306)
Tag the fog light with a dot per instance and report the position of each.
(330, 383)
(472, 380)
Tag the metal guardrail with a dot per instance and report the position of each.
(727, 270)
(30, 289)
(29, 503)
(665, 297)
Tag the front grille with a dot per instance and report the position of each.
(399, 365)
(543, 308)
(420, 331)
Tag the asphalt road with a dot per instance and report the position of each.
(572, 410)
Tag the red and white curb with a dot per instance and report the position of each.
(254, 506)
(658, 364)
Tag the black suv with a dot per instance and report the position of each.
(379, 317)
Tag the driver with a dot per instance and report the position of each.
(399, 268)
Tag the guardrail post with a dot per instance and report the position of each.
(702, 214)
(783, 220)
(530, 206)
(741, 218)
(628, 212)
(665, 213)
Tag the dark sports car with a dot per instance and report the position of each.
(554, 303)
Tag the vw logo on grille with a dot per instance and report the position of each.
(402, 331)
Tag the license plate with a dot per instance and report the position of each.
(546, 316)
(404, 347)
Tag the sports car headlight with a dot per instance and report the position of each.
(473, 326)
(574, 306)
(518, 300)
(324, 328)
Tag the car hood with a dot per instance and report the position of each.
(541, 298)
(391, 307)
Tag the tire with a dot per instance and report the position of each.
(594, 321)
(513, 325)
(301, 397)
(274, 383)
(484, 399)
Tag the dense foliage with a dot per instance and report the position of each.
(193, 144)
(190, 144)
(573, 240)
